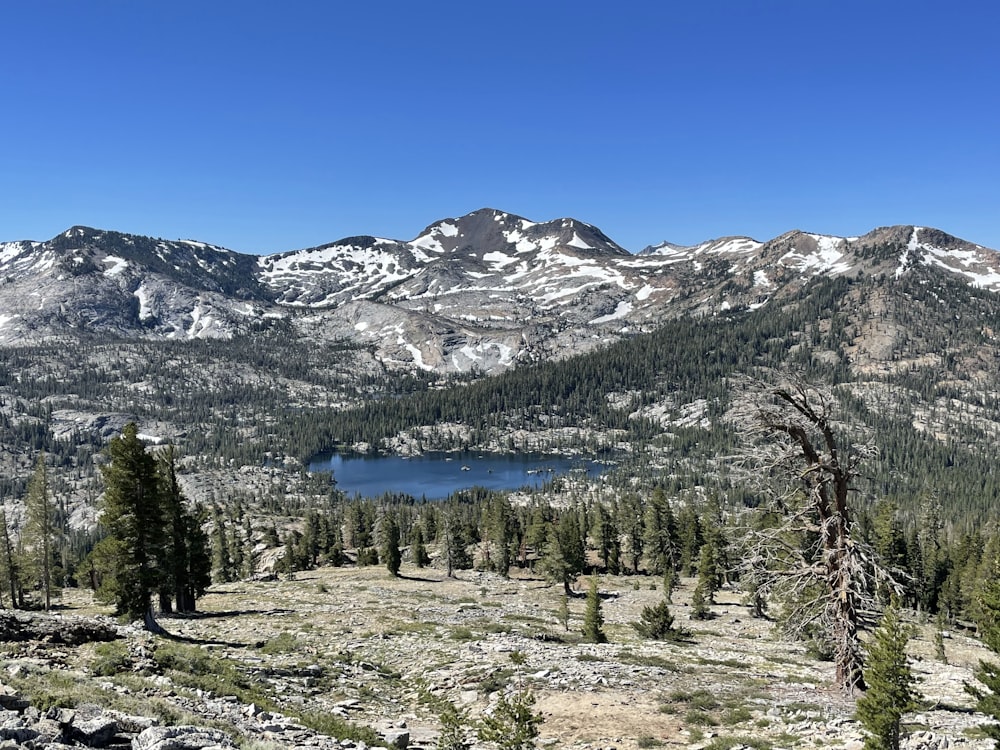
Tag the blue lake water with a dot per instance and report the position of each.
(434, 476)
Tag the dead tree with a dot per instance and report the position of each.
(808, 556)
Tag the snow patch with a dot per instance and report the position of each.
(912, 247)
(145, 310)
(623, 309)
(498, 260)
(418, 356)
(579, 243)
(10, 250)
(828, 258)
(936, 257)
(428, 243)
(118, 265)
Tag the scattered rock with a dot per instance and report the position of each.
(96, 732)
(16, 625)
(181, 738)
(396, 738)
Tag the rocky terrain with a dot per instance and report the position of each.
(275, 664)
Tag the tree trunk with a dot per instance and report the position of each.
(829, 482)
(848, 653)
(149, 622)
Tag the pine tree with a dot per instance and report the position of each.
(199, 571)
(708, 569)
(8, 562)
(454, 725)
(222, 564)
(500, 531)
(699, 605)
(564, 553)
(690, 535)
(177, 541)
(40, 531)
(288, 566)
(606, 538)
(563, 611)
(250, 555)
(593, 620)
(187, 571)
(933, 564)
(630, 522)
(390, 543)
(657, 623)
(455, 553)
(939, 625)
(889, 683)
(134, 518)
(418, 550)
(660, 536)
(987, 694)
(513, 723)
(888, 537)
(669, 583)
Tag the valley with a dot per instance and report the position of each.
(491, 335)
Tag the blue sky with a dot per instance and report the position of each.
(265, 127)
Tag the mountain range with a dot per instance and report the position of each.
(481, 292)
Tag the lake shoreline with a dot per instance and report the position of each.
(434, 475)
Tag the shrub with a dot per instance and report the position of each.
(110, 659)
(513, 723)
(283, 643)
(657, 623)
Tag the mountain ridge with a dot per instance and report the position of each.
(479, 292)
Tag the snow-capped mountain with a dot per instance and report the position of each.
(479, 292)
(485, 246)
(96, 282)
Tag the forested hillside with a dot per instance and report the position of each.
(915, 359)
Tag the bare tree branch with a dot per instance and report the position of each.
(808, 556)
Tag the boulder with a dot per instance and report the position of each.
(96, 732)
(182, 738)
(73, 631)
(396, 738)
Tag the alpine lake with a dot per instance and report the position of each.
(435, 476)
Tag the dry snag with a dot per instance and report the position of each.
(809, 556)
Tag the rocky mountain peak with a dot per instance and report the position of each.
(488, 230)
(479, 291)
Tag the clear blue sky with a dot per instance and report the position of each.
(267, 126)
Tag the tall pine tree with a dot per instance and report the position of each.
(39, 536)
(8, 560)
(133, 517)
(390, 543)
(188, 569)
(987, 694)
(889, 681)
(593, 620)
